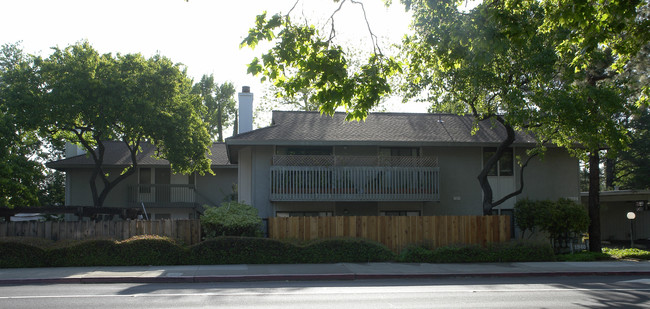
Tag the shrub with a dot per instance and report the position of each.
(149, 250)
(527, 213)
(416, 254)
(243, 250)
(631, 253)
(18, 255)
(231, 219)
(584, 256)
(564, 217)
(342, 250)
(460, 254)
(497, 252)
(521, 251)
(85, 253)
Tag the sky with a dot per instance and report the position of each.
(204, 35)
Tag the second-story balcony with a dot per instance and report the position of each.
(163, 196)
(354, 178)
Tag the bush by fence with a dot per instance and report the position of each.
(155, 250)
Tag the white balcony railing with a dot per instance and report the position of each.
(354, 183)
(163, 195)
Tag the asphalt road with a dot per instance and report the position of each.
(529, 292)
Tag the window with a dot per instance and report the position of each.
(145, 180)
(505, 165)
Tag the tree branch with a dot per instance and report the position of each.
(521, 183)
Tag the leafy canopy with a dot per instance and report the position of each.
(20, 171)
(77, 95)
(303, 60)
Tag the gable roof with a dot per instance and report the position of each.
(295, 126)
(117, 155)
(382, 129)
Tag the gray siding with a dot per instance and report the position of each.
(553, 176)
(215, 188)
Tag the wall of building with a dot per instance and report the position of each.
(460, 193)
(79, 194)
(555, 175)
(215, 188)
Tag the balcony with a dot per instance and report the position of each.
(163, 196)
(353, 178)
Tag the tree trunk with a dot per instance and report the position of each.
(610, 172)
(235, 128)
(594, 202)
(492, 161)
(220, 123)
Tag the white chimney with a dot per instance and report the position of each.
(245, 110)
(72, 150)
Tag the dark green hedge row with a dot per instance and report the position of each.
(153, 250)
(493, 253)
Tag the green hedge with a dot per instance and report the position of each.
(85, 253)
(155, 250)
(345, 250)
(242, 250)
(150, 250)
(18, 255)
(493, 253)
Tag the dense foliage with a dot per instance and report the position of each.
(231, 219)
(20, 172)
(505, 252)
(77, 95)
(547, 67)
(218, 109)
(560, 219)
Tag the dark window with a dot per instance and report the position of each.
(505, 165)
(145, 180)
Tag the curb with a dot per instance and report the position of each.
(305, 277)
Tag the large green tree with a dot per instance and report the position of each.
(218, 109)
(545, 67)
(86, 98)
(20, 171)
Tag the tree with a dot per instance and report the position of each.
(631, 167)
(79, 96)
(219, 106)
(545, 67)
(20, 173)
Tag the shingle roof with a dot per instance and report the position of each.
(378, 128)
(117, 155)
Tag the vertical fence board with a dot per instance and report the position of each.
(396, 232)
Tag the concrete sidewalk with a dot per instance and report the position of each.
(340, 271)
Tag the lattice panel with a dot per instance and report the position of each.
(316, 160)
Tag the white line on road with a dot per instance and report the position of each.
(325, 291)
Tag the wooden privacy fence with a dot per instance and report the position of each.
(397, 232)
(188, 231)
